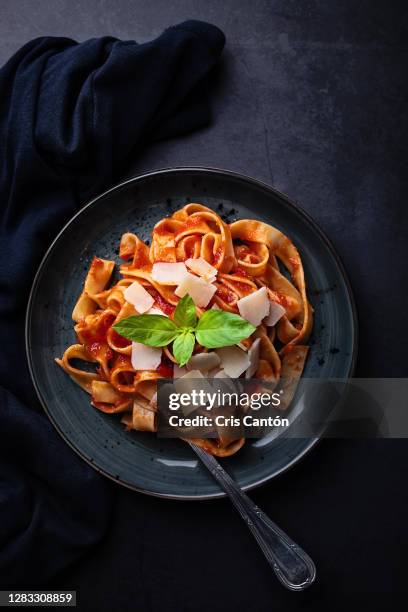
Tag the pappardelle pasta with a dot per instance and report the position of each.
(232, 267)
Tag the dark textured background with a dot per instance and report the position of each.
(311, 97)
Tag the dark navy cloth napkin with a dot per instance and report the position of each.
(71, 116)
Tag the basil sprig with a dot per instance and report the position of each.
(214, 329)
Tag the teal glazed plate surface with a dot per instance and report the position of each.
(139, 460)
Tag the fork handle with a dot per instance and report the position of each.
(293, 567)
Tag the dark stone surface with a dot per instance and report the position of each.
(311, 98)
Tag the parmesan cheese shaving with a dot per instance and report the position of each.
(201, 267)
(255, 306)
(169, 273)
(233, 360)
(253, 354)
(137, 295)
(199, 290)
(145, 357)
(203, 362)
(178, 371)
(156, 311)
(276, 312)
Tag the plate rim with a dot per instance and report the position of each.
(205, 170)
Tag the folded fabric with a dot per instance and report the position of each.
(71, 116)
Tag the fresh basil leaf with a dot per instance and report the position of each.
(217, 328)
(183, 347)
(153, 330)
(185, 313)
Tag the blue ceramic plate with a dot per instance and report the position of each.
(142, 461)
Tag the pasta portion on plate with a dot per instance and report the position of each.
(236, 268)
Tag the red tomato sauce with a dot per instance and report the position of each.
(97, 263)
(281, 299)
(141, 259)
(190, 246)
(126, 254)
(193, 222)
(242, 287)
(218, 255)
(295, 263)
(225, 295)
(242, 250)
(161, 303)
(119, 340)
(239, 272)
(98, 332)
(162, 230)
(98, 349)
(166, 367)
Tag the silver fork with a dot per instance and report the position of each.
(293, 567)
